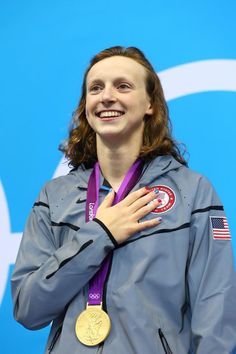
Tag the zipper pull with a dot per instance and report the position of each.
(55, 338)
(164, 342)
(100, 348)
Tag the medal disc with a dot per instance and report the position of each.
(92, 326)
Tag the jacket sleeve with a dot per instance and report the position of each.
(211, 278)
(46, 277)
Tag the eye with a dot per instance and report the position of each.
(96, 88)
(124, 86)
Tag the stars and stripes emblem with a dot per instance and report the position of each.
(220, 228)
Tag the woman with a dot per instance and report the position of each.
(130, 252)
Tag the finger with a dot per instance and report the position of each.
(132, 197)
(147, 209)
(148, 224)
(108, 200)
(139, 203)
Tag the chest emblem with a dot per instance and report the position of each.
(167, 196)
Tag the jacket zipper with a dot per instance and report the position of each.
(164, 342)
(104, 302)
(55, 338)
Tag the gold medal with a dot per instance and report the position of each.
(93, 325)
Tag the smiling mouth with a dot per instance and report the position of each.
(109, 114)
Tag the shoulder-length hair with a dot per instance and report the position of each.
(157, 138)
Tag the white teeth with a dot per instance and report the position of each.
(105, 114)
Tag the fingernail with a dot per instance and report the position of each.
(110, 190)
(147, 188)
(159, 218)
(156, 191)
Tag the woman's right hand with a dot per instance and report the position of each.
(123, 218)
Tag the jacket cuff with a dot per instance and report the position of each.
(112, 238)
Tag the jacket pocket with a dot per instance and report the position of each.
(164, 342)
(55, 339)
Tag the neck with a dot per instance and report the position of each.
(115, 161)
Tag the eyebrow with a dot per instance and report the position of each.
(117, 79)
(97, 81)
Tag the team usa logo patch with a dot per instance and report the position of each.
(220, 228)
(167, 196)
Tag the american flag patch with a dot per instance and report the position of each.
(220, 228)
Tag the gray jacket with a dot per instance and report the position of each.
(170, 289)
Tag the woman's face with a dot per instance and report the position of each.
(116, 98)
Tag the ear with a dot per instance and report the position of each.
(149, 110)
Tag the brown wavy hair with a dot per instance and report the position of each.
(157, 138)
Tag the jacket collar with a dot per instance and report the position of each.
(158, 167)
(151, 170)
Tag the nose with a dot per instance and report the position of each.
(108, 95)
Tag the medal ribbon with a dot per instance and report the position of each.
(96, 284)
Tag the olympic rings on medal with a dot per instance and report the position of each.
(94, 296)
